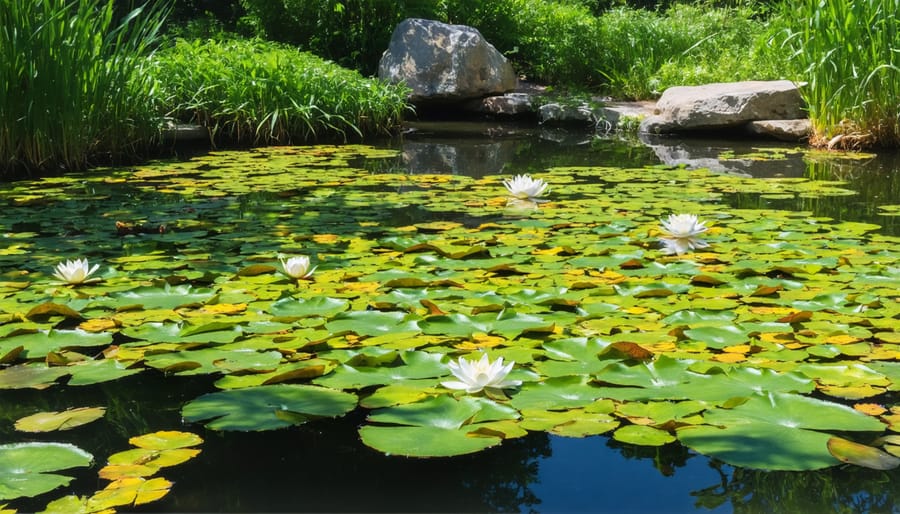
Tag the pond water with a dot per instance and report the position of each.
(323, 466)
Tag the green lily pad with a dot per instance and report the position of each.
(371, 323)
(760, 445)
(642, 435)
(304, 307)
(39, 344)
(267, 407)
(425, 441)
(25, 467)
(793, 410)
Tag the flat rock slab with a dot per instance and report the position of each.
(723, 105)
(784, 130)
(510, 104)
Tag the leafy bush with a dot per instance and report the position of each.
(548, 41)
(74, 87)
(352, 33)
(686, 45)
(258, 92)
(627, 52)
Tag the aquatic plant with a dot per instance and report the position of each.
(297, 267)
(847, 53)
(784, 339)
(473, 376)
(682, 231)
(75, 271)
(526, 187)
(75, 88)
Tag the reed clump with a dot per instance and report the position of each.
(260, 92)
(74, 86)
(849, 56)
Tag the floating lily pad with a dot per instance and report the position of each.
(643, 435)
(761, 445)
(267, 407)
(65, 420)
(25, 467)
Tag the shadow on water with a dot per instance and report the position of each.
(324, 467)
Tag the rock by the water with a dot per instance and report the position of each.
(445, 63)
(556, 113)
(724, 105)
(510, 104)
(784, 130)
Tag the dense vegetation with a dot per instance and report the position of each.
(84, 85)
(850, 56)
(258, 92)
(73, 83)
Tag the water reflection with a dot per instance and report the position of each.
(323, 466)
(480, 149)
(728, 156)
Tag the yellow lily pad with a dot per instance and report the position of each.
(65, 420)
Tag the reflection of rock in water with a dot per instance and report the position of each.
(459, 157)
(731, 157)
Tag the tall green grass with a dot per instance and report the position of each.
(258, 92)
(648, 52)
(849, 54)
(73, 87)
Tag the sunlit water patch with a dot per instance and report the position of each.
(761, 337)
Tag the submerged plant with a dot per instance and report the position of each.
(525, 187)
(75, 272)
(682, 230)
(297, 267)
(475, 376)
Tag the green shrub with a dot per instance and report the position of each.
(548, 41)
(648, 52)
(74, 86)
(850, 56)
(257, 92)
(354, 34)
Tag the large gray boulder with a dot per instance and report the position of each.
(445, 63)
(723, 105)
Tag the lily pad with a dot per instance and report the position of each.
(65, 420)
(267, 407)
(760, 445)
(25, 467)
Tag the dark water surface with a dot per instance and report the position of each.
(323, 466)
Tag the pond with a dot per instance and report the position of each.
(785, 327)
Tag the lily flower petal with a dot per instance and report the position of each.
(682, 231)
(75, 272)
(297, 267)
(525, 187)
(475, 376)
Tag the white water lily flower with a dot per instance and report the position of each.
(682, 230)
(523, 186)
(297, 267)
(477, 375)
(75, 272)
